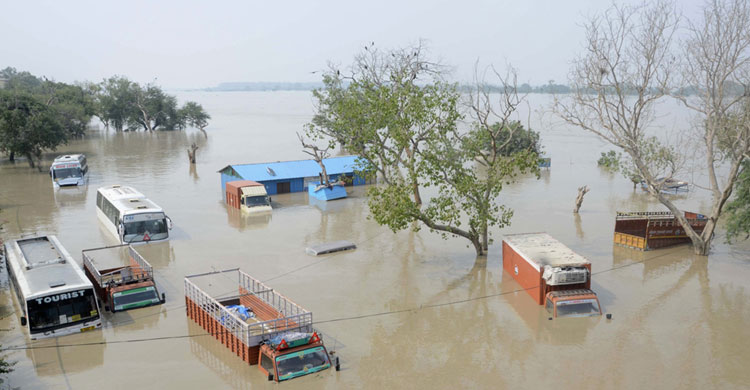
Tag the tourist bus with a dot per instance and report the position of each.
(69, 170)
(131, 217)
(55, 296)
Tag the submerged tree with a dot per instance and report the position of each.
(394, 110)
(629, 66)
(318, 154)
(28, 127)
(194, 115)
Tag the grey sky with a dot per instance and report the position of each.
(188, 44)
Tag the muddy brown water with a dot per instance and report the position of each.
(679, 320)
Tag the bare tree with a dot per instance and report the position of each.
(628, 67)
(318, 154)
(579, 199)
(717, 67)
(191, 153)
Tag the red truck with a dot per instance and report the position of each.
(551, 273)
(122, 278)
(258, 324)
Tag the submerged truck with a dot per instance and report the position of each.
(551, 273)
(259, 325)
(122, 278)
(248, 196)
(646, 230)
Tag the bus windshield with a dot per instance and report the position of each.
(61, 310)
(64, 173)
(578, 308)
(252, 201)
(138, 229)
(138, 297)
(301, 363)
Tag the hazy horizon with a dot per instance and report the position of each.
(191, 45)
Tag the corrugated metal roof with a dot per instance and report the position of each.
(282, 170)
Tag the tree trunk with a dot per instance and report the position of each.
(12, 156)
(204, 132)
(191, 153)
(478, 247)
(324, 181)
(579, 199)
(30, 159)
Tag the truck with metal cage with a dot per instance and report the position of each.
(122, 278)
(551, 273)
(257, 324)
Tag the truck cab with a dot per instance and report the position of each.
(573, 303)
(255, 199)
(248, 196)
(294, 354)
(133, 296)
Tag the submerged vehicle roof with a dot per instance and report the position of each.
(68, 158)
(242, 183)
(129, 199)
(42, 266)
(541, 249)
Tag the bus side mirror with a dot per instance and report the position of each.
(169, 223)
(23, 321)
(163, 298)
(270, 376)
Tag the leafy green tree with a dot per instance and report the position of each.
(114, 102)
(28, 126)
(193, 114)
(738, 209)
(609, 160)
(394, 110)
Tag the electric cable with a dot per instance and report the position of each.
(339, 319)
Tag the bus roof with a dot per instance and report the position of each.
(42, 266)
(137, 205)
(68, 158)
(116, 192)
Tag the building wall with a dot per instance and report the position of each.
(295, 184)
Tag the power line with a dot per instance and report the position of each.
(340, 319)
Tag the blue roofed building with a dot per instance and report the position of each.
(291, 176)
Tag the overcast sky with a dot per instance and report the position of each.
(195, 44)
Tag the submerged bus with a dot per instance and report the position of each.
(69, 170)
(55, 296)
(131, 217)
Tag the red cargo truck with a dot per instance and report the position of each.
(545, 267)
(257, 323)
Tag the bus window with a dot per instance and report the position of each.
(50, 312)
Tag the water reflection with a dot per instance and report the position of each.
(233, 371)
(51, 357)
(247, 221)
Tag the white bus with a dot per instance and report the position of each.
(69, 170)
(55, 296)
(131, 217)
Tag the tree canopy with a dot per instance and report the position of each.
(394, 110)
(38, 114)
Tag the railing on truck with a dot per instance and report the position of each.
(274, 313)
(138, 269)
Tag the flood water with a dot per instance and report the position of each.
(679, 320)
